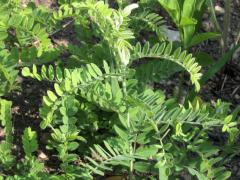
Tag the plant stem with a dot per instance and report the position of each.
(238, 37)
(180, 89)
(124, 85)
(227, 19)
(216, 24)
(214, 18)
(62, 28)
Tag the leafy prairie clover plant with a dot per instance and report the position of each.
(106, 120)
(29, 167)
(24, 39)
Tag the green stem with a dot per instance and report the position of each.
(227, 19)
(131, 150)
(216, 24)
(214, 18)
(163, 151)
(238, 36)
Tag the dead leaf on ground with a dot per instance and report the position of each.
(42, 156)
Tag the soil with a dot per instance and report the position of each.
(225, 85)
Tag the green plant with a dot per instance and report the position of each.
(187, 15)
(137, 144)
(6, 157)
(24, 39)
(226, 24)
(8, 73)
(29, 144)
(102, 115)
(143, 131)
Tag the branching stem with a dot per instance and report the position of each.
(131, 149)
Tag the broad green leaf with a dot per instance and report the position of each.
(146, 151)
(36, 28)
(6, 119)
(15, 20)
(163, 174)
(73, 146)
(143, 167)
(29, 140)
(204, 59)
(122, 134)
(35, 73)
(224, 175)
(3, 35)
(40, 50)
(30, 23)
(91, 71)
(106, 67)
(58, 89)
(96, 69)
(51, 96)
(146, 47)
(67, 85)
(44, 72)
(188, 9)
(188, 25)
(199, 175)
(71, 157)
(26, 72)
(47, 100)
(59, 74)
(51, 72)
(199, 38)
(228, 119)
(173, 8)
(74, 78)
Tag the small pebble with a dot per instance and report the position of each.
(42, 156)
(237, 96)
(219, 10)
